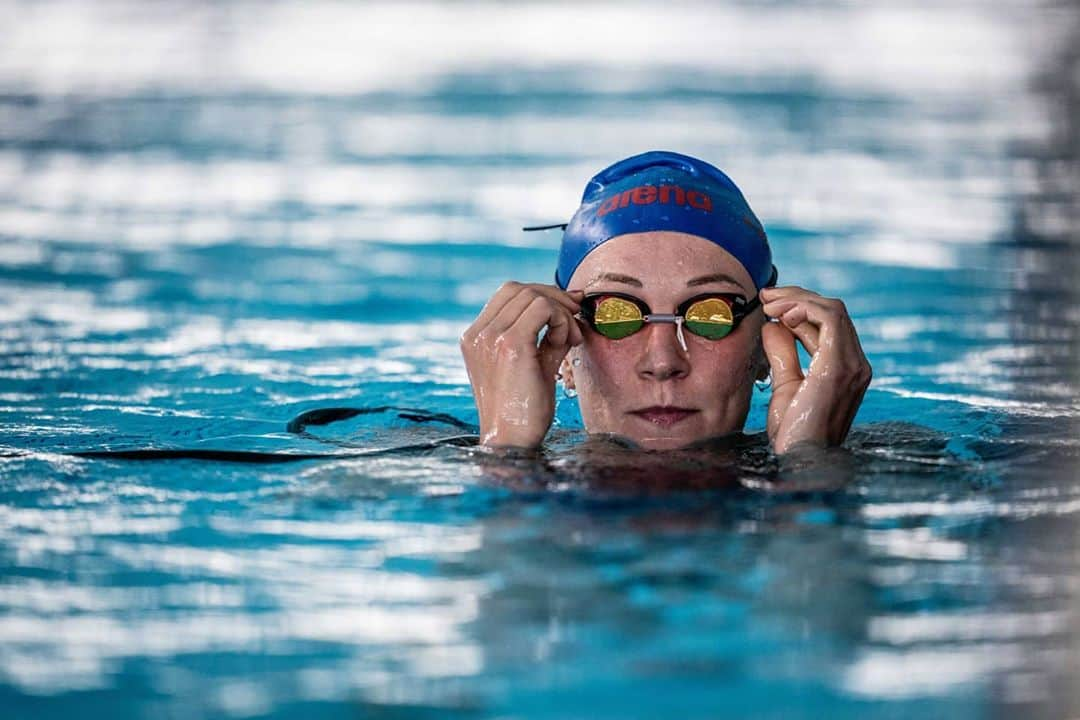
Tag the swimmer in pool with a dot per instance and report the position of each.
(664, 313)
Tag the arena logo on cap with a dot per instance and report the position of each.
(649, 194)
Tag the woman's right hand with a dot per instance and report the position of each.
(512, 375)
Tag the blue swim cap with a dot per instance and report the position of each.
(661, 190)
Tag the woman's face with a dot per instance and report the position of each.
(646, 387)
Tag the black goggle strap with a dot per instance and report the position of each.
(537, 228)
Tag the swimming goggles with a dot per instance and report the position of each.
(712, 315)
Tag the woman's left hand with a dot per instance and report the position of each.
(817, 407)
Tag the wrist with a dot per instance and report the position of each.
(511, 440)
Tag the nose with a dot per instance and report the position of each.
(662, 357)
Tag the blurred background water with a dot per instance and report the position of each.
(216, 215)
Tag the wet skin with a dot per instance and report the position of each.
(646, 387)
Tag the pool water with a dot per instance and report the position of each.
(217, 217)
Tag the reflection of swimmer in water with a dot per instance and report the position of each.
(659, 321)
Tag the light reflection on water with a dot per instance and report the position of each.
(198, 246)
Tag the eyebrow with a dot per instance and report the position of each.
(713, 278)
(701, 280)
(618, 278)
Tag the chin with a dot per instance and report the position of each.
(672, 439)
(664, 443)
(665, 435)
(659, 435)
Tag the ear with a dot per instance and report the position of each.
(566, 370)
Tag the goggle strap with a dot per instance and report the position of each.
(536, 228)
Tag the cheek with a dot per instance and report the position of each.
(722, 363)
(604, 364)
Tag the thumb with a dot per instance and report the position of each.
(787, 376)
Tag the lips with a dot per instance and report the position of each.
(665, 416)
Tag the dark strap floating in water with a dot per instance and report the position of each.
(267, 458)
(325, 416)
(297, 426)
(242, 456)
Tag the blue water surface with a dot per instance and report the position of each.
(215, 217)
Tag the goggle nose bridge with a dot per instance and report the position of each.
(678, 320)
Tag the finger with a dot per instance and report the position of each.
(784, 292)
(794, 316)
(526, 315)
(558, 329)
(783, 357)
(823, 306)
(838, 342)
(828, 315)
(571, 301)
(796, 306)
(819, 310)
(795, 320)
(776, 308)
(512, 311)
(837, 357)
(534, 317)
(508, 315)
(577, 336)
(553, 348)
(551, 357)
(508, 291)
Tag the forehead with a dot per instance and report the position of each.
(660, 260)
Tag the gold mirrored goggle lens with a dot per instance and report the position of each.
(617, 318)
(710, 318)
